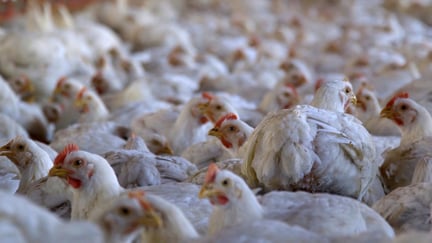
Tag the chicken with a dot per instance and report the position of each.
(181, 131)
(215, 108)
(119, 220)
(414, 122)
(30, 116)
(23, 87)
(64, 94)
(407, 208)
(222, 104)
(90, 177)
(321, 149)
(368, 111)
(184, 196)
(32, 161)
(235, 204)
(283, 97)
(165, 222)
(124, 218)
(232, 132)
(91, 106)
(23, 221)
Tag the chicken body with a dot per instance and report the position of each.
(317, 149)
(415, 124)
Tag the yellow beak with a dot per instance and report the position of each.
(207, 191)
(79, 103)
(387, 113)
(151, 219)
(5, 149)
(58, 171)
(203, 107)
(215, 132)
(353, 99)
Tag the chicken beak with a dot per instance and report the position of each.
(151, 219)
(203, 107)
(387, 113)
(57, 170)
(79, 103)
(207, 191)
(353, 99)
(215, 132)
(5, 149)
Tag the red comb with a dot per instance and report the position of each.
(81, 92)
(292, 87)
(207, 95)
(60, 81)
(67, 150)
(211, 173)
(229, 116)
(397, 96)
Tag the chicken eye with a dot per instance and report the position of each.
(18, 82)
(347, 90)
(218, 107)
(367, 97)
(225, 182)
(124, 211)
(404, 107)
(232, 128)
(286, 94)
(20, 147)
(67, 86)
(77, 163)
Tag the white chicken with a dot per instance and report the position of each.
(283, 97)
(368, 111)
(22, 221)
(64, 95)
(165, 222)
(118, 220)
(91, 106)
(316, 148)
(407, 208)
(232, 132)
(181, 131)
(23, 87)
(414, 122)
(92, 180)
(234, 203)
(32, 161)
